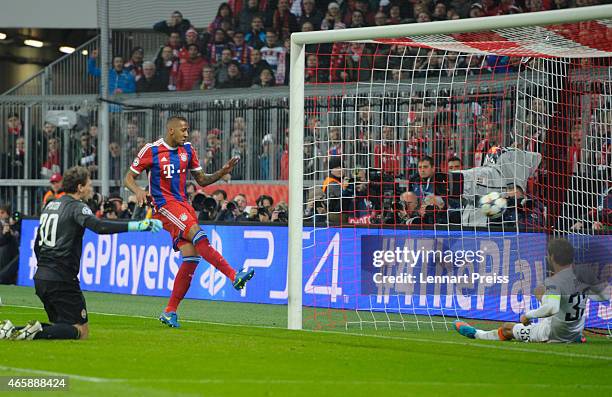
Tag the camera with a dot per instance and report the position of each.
(231, 206)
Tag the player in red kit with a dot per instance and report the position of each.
(167, 162)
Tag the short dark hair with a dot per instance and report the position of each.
(192, 45)
(6, 208)
(74, 177)
(428, 159)
(454, 158)
(561, 251)
(176, 118)
(221, 192)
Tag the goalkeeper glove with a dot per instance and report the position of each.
(145, 225)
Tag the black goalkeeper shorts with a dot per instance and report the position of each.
(64, 302)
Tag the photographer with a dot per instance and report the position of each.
(338, 190)
(207, 207)
(9, 243)
(432, 211)
(259, 214)
(231, 212)
(404, 210)
(280, 213)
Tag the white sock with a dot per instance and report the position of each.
(487, 335)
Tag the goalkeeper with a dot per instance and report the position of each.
(58, 247)
(562, 312)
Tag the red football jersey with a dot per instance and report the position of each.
(167, 168)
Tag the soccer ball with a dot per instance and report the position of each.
(493, 205)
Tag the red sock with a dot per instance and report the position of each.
(213, 257)
(182, 283)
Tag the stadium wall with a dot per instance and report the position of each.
(146, 265)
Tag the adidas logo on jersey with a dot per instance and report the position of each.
(163, 159)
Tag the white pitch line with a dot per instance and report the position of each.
(93, 379)
(422, 340)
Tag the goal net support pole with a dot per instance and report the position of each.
(297, 101)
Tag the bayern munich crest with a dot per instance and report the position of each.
(183, 157)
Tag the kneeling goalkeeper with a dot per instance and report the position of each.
(58, 248)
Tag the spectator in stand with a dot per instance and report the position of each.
(213, 154)
(388, 154)
(439, 12)
(221, 71)
(237, 149)
(310, 14)
(134, 65)
(234, 77)
(265, 79)
(12, 163)
(14, 126)
(423, 16)
(357, 19)
(119, 80)
(115, 161)
(189, 71)
(428, 181)
(175, 24)
(166, 65)
(48, 131)
(333, 18)
(368, 14)
(176, 43)
(87, 155)
(351, 62)
(150, 81)
(52, 163)
(380, 19)
(314, 74)
(224, 14)
(208, 78)
(561, 4)
(395, 14)
(283, 22)
(216, 47)
(274, 53)
(477, 11)
(191, 37)
(242, 51)
(55, 191)
(537, 5)
(256, 36)
(256, 65)
(245, 17)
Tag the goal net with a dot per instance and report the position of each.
(403, 141)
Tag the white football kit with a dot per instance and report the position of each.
(562, 311)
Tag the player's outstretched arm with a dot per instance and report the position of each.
(85, 217)
(204, 179)
(130, 182)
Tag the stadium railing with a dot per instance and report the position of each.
(250, 123)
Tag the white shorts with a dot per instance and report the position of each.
(539, 332)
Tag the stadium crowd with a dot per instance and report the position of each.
(247, 43)
(398, 175)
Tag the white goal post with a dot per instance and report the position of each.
(297, 105)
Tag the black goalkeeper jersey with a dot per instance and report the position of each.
(59, 238)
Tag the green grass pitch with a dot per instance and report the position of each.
(233, 349)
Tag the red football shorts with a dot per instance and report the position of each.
(178, 218)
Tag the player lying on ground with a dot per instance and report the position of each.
(167, 162)
(58, 246)
(563, 301)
